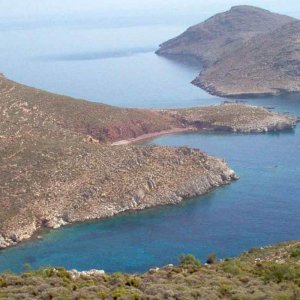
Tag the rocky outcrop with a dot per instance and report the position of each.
(55, 170)
(235, 117)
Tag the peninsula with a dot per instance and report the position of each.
(245, 52)
(58, 165)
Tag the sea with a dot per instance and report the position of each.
(109, 58)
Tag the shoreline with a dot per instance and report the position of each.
(153, 135)
(214, 91)
(93, 183)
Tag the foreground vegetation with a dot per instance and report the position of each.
(268, 273)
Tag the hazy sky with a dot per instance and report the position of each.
(35, 9)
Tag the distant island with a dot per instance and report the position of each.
(65, 160)
(245, 52)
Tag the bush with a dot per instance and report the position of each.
(278, 273)
(188, 260)
(231, 267)
(295, 253)
(123, 293)
(133, 281)
(211, 258)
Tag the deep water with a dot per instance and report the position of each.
(116, 65)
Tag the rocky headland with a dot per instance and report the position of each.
(266, 65)
(58, 165)
(245, 52)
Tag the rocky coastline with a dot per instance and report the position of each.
(58, 165)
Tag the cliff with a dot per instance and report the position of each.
(57, 165)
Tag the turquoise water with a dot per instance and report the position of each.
(111, 60)
(261, 208)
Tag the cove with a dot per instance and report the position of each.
(261, 208)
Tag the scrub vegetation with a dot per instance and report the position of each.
(264, 273)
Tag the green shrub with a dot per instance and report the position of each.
(253, 250)
(133, 281)
(231, 267)
(103, 295)
(123, 293)
(211, 258)
(225, 290)
(188, 260)
(278, 273)
(295, 253)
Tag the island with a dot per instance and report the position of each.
(245, 52)
(64, 160)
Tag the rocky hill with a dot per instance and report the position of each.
(245, 52)
(223, 33)
(57, 165)
(265, 273)
(268, 64)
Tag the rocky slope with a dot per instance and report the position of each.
(245, 52)
(223, 33)
(265, 273)
(268, 64)
(57, 165)
(234, 117)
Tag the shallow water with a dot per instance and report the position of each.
(116, 65)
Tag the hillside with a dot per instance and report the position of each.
(265, 273)
(223, 33)
(57, 164)
(268, 64)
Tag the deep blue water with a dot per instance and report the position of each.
(261, 208)
(113, 62)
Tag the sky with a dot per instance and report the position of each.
(29, 10)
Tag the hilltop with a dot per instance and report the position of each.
(58, 165)
(268, 64)
(223, 33)
(245, 52)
